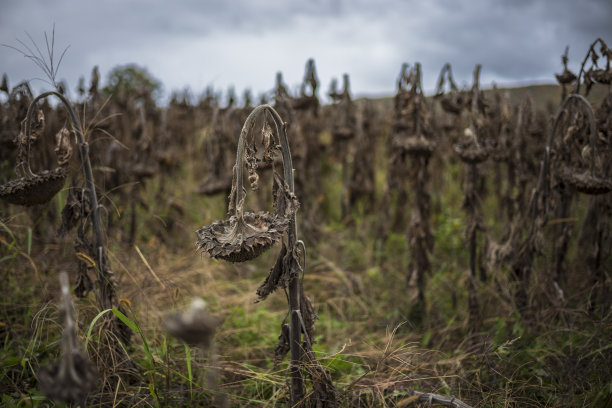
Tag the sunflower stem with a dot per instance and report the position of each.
(107, 294)
(296, 380)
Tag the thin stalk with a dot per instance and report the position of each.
(107, 288)
(586, 57)
(295, 327)
(474, 209)
(297, 384)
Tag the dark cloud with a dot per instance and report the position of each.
(195, 43)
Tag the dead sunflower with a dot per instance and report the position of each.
(241, 239)
(416, 145)
(37, 188)
(585, 182)
(245, 235)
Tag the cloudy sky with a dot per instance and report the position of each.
(195, 43)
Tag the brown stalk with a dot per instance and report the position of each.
(107, 291)
(473, 153)
(590, 53)
(238, 229)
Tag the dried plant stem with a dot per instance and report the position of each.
(297, 383)
(565, 199)
(295, 329)
(420, 236)
(474, 212)
(473, 209)
(430, 397)
(584, 61)
(107, 291)
(594, 242)
(539, 205)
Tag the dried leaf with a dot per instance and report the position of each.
(63, 147)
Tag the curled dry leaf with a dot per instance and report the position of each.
(77, 207)
(282, 347)
(275, 278)
(63, 147)
(83, 249)
(285, 202)
(37, 126)
(267, 140)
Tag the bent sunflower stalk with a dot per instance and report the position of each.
(40, 188)
(246, 235)
(107, 291)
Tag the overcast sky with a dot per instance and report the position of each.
(243, 43)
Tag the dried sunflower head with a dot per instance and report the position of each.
(601, 76)
(470, 151)
(195, 326)
(585, 182)
(566, 77)
(42, 187)
(471, 154)
(245, 235)
(417, 145)
(38, 189)
(305, 102)
(343, 133)
(240, 239)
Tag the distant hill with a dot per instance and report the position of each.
(542, 95)
(546, 94)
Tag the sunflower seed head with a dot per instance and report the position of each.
(34, 190)
(236, 240)
(585, 182)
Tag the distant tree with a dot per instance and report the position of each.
(132, 81)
